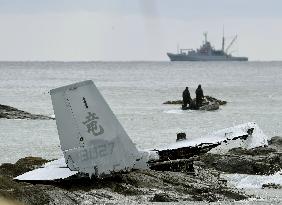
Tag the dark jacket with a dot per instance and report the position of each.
(186, 96)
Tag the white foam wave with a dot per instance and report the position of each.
(253, 181)
(178, 111)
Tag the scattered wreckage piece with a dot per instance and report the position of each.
(96, 145)
(8, 112)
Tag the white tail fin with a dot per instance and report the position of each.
(92, 139)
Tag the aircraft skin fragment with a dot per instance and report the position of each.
(53, 170)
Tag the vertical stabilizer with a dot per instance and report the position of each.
(91, 137)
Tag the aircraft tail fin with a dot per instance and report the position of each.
(91, 137)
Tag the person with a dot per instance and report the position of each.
(186, 97)
(199, 96)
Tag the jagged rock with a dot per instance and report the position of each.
(8, 112)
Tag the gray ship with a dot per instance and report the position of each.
(206, 53)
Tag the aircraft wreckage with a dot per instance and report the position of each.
(95, 144)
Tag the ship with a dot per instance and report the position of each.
(206, 53)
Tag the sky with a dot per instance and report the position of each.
(135, 30)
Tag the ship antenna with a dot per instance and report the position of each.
(223, 39)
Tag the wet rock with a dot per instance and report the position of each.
(21, 166)
(209, 104)
(253, 152)
(8, 112)
(260, 160)
(271, 186)
(163, 197)
(212, 99)
(173, 102)
(210, 107)
(276, 142)
(140, 186)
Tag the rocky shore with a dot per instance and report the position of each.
(209, 103)
(8, 112)
(203, 184)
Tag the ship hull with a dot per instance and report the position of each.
(184, 57)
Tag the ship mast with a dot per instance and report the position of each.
(223, 40)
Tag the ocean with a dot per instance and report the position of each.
(136, 91)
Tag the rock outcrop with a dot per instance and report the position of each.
(9, 112)
(209, 103)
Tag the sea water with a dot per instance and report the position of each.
(136, 91)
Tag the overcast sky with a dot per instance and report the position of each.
(73, 30)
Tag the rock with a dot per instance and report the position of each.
(253, 152)
(212, 99)
(209, 104)
(13, 113)
(276, 142)
(163, 197)
(260, 160)
(174, 102)
(271, 186)
(210, 107)
(141, 186)
(21, 166)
